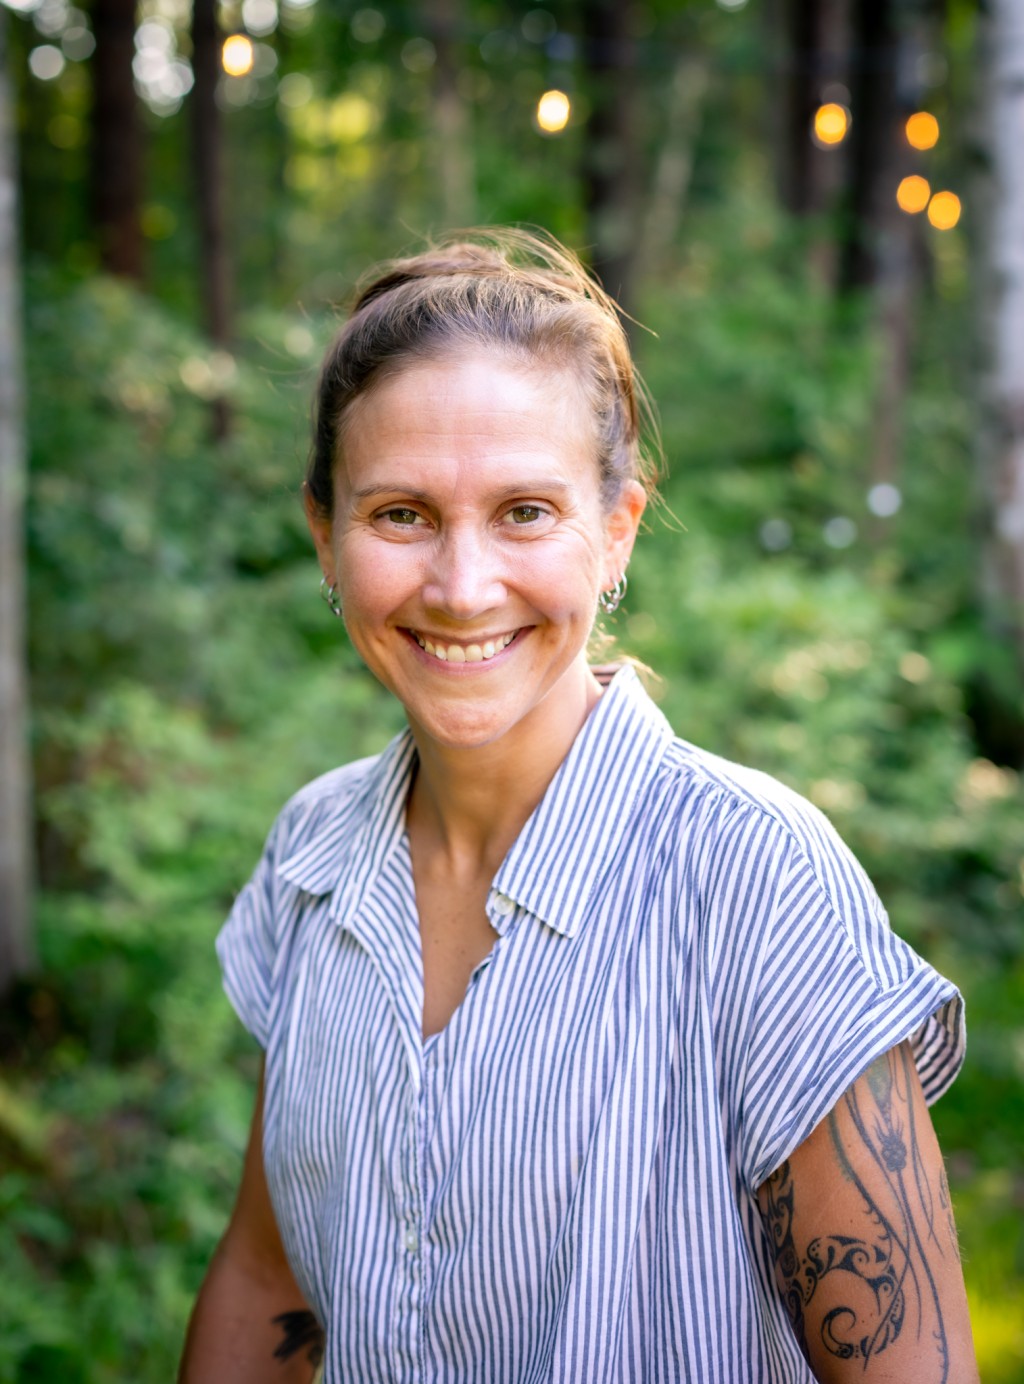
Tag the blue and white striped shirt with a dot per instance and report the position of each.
(690, 971)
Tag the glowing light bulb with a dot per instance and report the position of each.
(553, 111)
(237, 55)
(831, 123)
(944, 210)
(922, 130)
(913, 193)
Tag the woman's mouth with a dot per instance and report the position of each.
(464, 653)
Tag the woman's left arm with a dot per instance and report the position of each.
(861, 1227)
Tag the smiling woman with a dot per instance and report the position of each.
(588, 1056)
(468, 544)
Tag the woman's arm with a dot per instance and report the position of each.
(250, 1311)
(865, 1247)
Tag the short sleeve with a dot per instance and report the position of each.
(247, 947)
(835, 989)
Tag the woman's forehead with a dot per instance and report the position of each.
(481, 411)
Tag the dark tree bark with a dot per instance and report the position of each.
(813, 38)
(209, 171)
(874, 140)
(116, 163)
(611, 162)
(16, 941)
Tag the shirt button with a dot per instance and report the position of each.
(503, 905)
(412, 1243)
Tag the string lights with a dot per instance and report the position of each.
(831, 124)
(553, 111)
(237, 55)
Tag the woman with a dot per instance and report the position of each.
(588, 1056)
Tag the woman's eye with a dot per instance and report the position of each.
(404, 517)
(525, 514)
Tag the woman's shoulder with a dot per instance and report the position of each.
(731, 787)
(339, 793)
(735, 800)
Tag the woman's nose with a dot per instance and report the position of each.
(465, 577)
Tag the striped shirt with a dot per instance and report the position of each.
(690, 970)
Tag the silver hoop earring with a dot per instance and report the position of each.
(329, 593)
(609, 601)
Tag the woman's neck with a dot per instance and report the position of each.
(467, 806)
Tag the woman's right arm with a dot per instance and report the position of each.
(233, 1334)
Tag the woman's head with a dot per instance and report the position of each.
(515, 293)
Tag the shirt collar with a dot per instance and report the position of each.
(345, 855)
(556, 863)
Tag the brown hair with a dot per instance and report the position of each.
(518, 291)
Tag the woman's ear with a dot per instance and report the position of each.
(621, 527)
(321, 527)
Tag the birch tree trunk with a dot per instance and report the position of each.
(1003, 434)
(16, 942)
(674, 166)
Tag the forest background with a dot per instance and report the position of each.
(832, 591)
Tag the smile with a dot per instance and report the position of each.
(464, 653)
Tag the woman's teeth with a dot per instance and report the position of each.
(465, 653)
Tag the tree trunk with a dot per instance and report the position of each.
(814, 42)
(208, 171)
(611, 173)
(116, 163)
(889, 250)
(674, 167)
(1003, 84)
(452, 146)
(873, 140)
(16, 941)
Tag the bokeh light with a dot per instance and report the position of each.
(884, 499)
(367, 25)
(839, 532)
(46, 62)
(237, 55)
(775, 535)
(913, 194)
(260, 16)
(553, 111)
(922, 130)
(944, 210)
(831, 124)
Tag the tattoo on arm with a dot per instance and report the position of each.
(300, 1331)
(908, 1228)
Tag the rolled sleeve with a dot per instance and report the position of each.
(824, 1010)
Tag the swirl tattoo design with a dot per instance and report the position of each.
(891, 1285)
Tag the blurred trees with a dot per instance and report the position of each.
(17, 946)
(1003, 439)
(116, 141)
(210, 173)
(818, 615)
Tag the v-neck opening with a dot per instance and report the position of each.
(431, 1040)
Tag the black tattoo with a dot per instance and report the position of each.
(778, 1219)
(301, 1330)
(896, 1263)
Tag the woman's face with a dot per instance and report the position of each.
(469, 544)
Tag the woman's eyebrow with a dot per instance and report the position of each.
(536, 485)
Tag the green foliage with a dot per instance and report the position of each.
(187, 679)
